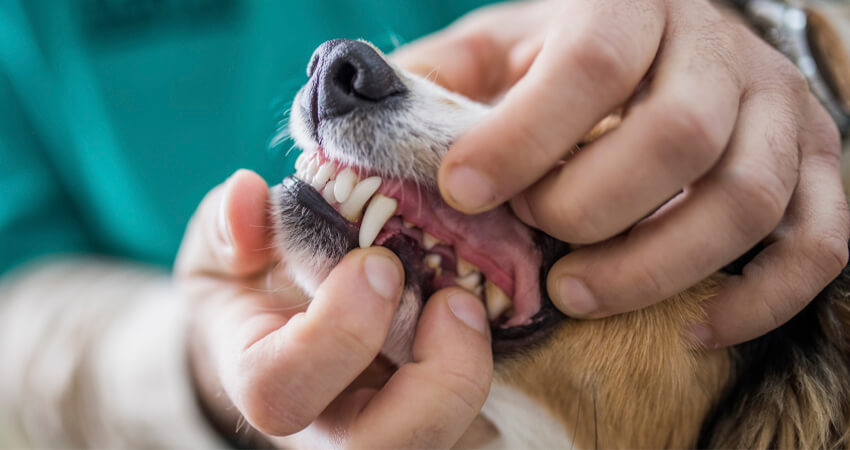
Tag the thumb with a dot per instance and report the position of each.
(228, 236)
(429, 403)
(474, 65)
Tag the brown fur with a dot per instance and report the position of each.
(808, 405)
(636, 381)
(633, 380)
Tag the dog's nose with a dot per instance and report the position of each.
(349, 75)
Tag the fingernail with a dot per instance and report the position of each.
(574, 299)
(383, 274)
(704, 335)
(223, 222)
(469, 188)
(469, 310)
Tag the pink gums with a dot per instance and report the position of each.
(495, 241)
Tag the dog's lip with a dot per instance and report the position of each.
(495, 241)
(505, 340)
(500, 246)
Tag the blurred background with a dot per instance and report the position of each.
(116, 118)
(119, 115)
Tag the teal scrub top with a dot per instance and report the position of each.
(117, 116)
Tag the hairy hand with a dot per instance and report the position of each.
(722, 147)
(287, 363)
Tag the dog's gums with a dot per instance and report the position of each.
(491, 255)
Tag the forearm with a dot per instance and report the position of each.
(93, 354)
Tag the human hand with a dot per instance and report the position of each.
(287, 364)
(722, 146)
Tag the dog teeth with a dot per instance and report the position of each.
(328, 192)
(407, 224)
(352, 207)
(311, 170)
(470, 281)
(429, 241)
(323, 175)
(465, 267)
(345, 182)
(496, 300)
(479, 291)
(433, 260)
(379, 211)
(301, 162)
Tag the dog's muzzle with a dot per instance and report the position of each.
(345, 76)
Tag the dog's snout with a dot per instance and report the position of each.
(348, 75)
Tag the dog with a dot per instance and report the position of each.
(373, 136)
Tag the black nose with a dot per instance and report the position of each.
(346, 75)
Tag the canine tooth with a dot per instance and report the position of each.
(311, 170)
(465, 267)
(352, 207)
(433, 260)
(469, 282)
(407, 224)
(429, 241)
(328, 192)
(379, 211)
(345, 182)
(497, 301)
(323, 175)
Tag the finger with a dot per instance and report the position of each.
(722, 216)
(283, 380)
(227, 236)
(430, 402)
(809, 251)
(581, 74)
(473, 65)
(475, 56)
(664, 144)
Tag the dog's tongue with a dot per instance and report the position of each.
(500, 245)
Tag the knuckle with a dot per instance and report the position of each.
(573, 221)
(601, 57)
(531, 139)
(264, 406)
(653, 282)
(791, 77)
(481, 53)
(757, 199)
(825, 138)
(469, 389)
(775, 312)
(357, 338)
(828, 253)
(698, 139)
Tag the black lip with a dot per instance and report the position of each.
(312, 212)
(312, 199)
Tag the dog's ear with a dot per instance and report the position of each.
(791, 387)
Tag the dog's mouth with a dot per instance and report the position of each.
(493, 255)
(373, 137)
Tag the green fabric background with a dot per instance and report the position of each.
(117, 116)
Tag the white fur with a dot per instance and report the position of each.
(409, 142)
(522, 422)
